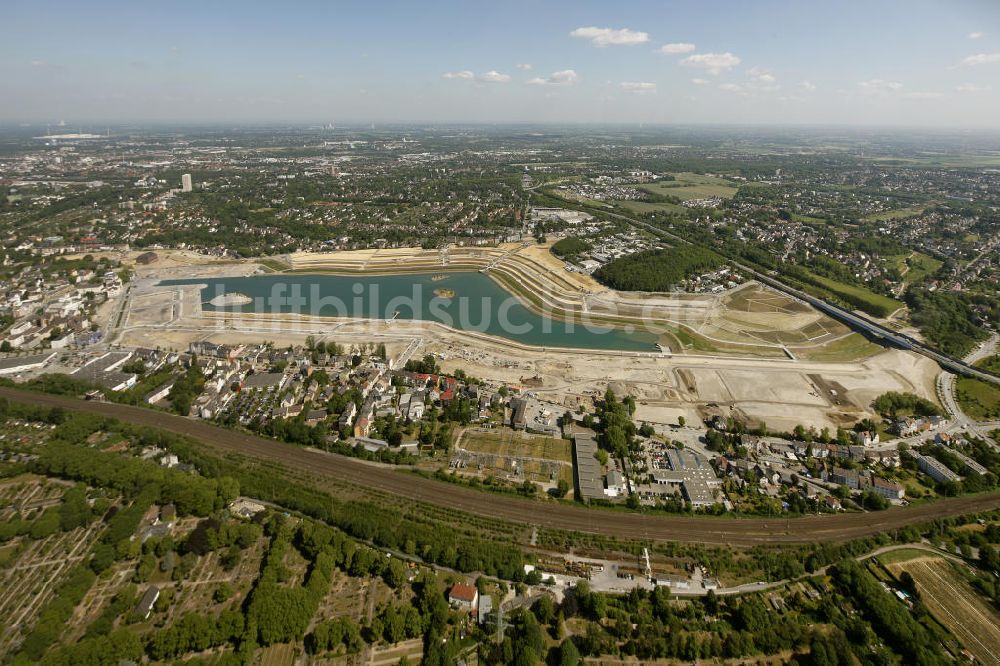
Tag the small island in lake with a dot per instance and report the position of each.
(232, 298)
(444, 293)
(439, 277)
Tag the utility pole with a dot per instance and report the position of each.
(501, 623)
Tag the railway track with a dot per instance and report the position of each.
(574, 518)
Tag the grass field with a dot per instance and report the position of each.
(915, 266)
(849, 348)
(901, 555)
(955, 605)
(990, 364)
(276, 655)
(978, 399)
(762, 300)
(516, 444)
(646, 207)
(274, 264)
(808, 219)
(867, 295)
(689, 186)
(985, 159)
(897, 214)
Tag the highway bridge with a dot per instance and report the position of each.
(874, 329)
(853, 320)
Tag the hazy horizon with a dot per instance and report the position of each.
(776, 63)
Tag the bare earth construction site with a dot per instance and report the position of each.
(749, 351)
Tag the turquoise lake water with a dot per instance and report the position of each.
(479, 304)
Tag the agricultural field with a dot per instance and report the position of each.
(690, 186)
(954, 604)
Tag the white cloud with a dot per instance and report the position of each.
(677, 47)
(923, 94)
(971, 88)
(761, 75)
(731, 87)
(38, 63)
(699, 82)
(601, 37)
(981, 59)
(562, 78)
(713, 63)
(878, 85)
(638, 87)
(525, 66)
(976, 35)
(493, 76)
(807, 86)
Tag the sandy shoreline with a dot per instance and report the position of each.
(779, 390)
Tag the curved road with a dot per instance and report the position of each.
(627, 525)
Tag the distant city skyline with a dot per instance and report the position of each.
(881, 62)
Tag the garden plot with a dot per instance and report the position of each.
(514, 456)
(956, 605)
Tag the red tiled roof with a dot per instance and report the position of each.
(463, 592)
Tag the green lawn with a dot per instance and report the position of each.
(903, 555)
(897, 214)
(867, 295)
(920, 266)
(273, 264)
(646, 207)
(689, 186)
(990, 364)
(985, 159)
(808, 219)
(978, 399)
(914, 266)
(849, 348)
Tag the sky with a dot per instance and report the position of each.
(851, 62)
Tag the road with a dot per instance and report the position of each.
(852, 319)
(698, 529)
(946, 393)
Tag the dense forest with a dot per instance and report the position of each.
(893, 404)
(657, 270)
(948, 319)
(570, 248)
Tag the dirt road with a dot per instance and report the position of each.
(711, 530)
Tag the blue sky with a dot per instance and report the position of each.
(890, 62)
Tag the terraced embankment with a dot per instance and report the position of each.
(683, 321)
(711, 530)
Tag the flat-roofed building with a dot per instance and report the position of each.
(934, 468)
(14, 365)
(589, 477)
